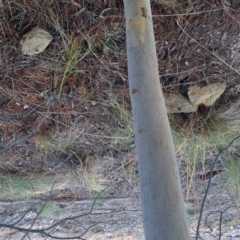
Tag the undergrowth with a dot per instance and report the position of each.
(197, 150)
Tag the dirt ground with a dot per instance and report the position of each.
(117, 218)
(84, 128)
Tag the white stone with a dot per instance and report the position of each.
(176, 103)
(206, 95)
(35, 41)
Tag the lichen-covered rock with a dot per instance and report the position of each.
(176, 103)
(166, 3)
(35, 41)
(230, 114)
(206, 95)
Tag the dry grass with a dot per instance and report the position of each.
(196, 152)
(35, 186)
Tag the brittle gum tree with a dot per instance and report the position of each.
(164, 214)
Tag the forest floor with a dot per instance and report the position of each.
(66, 131)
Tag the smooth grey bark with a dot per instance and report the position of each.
(163, 206)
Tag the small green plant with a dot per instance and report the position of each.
(123, 137)
(23, 187)
(130, 171)
(128, 167)
(60, 141)
(70, 62)
(93, 183)
(76, 52)
(232, 168)
(48, 210)
(192, 216)
(123, 140)
(194, 147)
(91, 176)
(20, 188)
(167, 3)
(110, 45)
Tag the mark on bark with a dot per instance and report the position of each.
(136, 27)
(144, 12)
(134, 90)
(140, 130)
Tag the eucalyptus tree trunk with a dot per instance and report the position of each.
(164, 214)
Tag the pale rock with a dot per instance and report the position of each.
(230, 114)
(35, 41)
(206, 95)
(176, 103)
(166, 3)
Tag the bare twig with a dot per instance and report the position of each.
(212, 53)
(208, 185)
(178, 73)
(48, 231)
(186, 83)
(38, 214)
(186, 14)
(220, 221)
